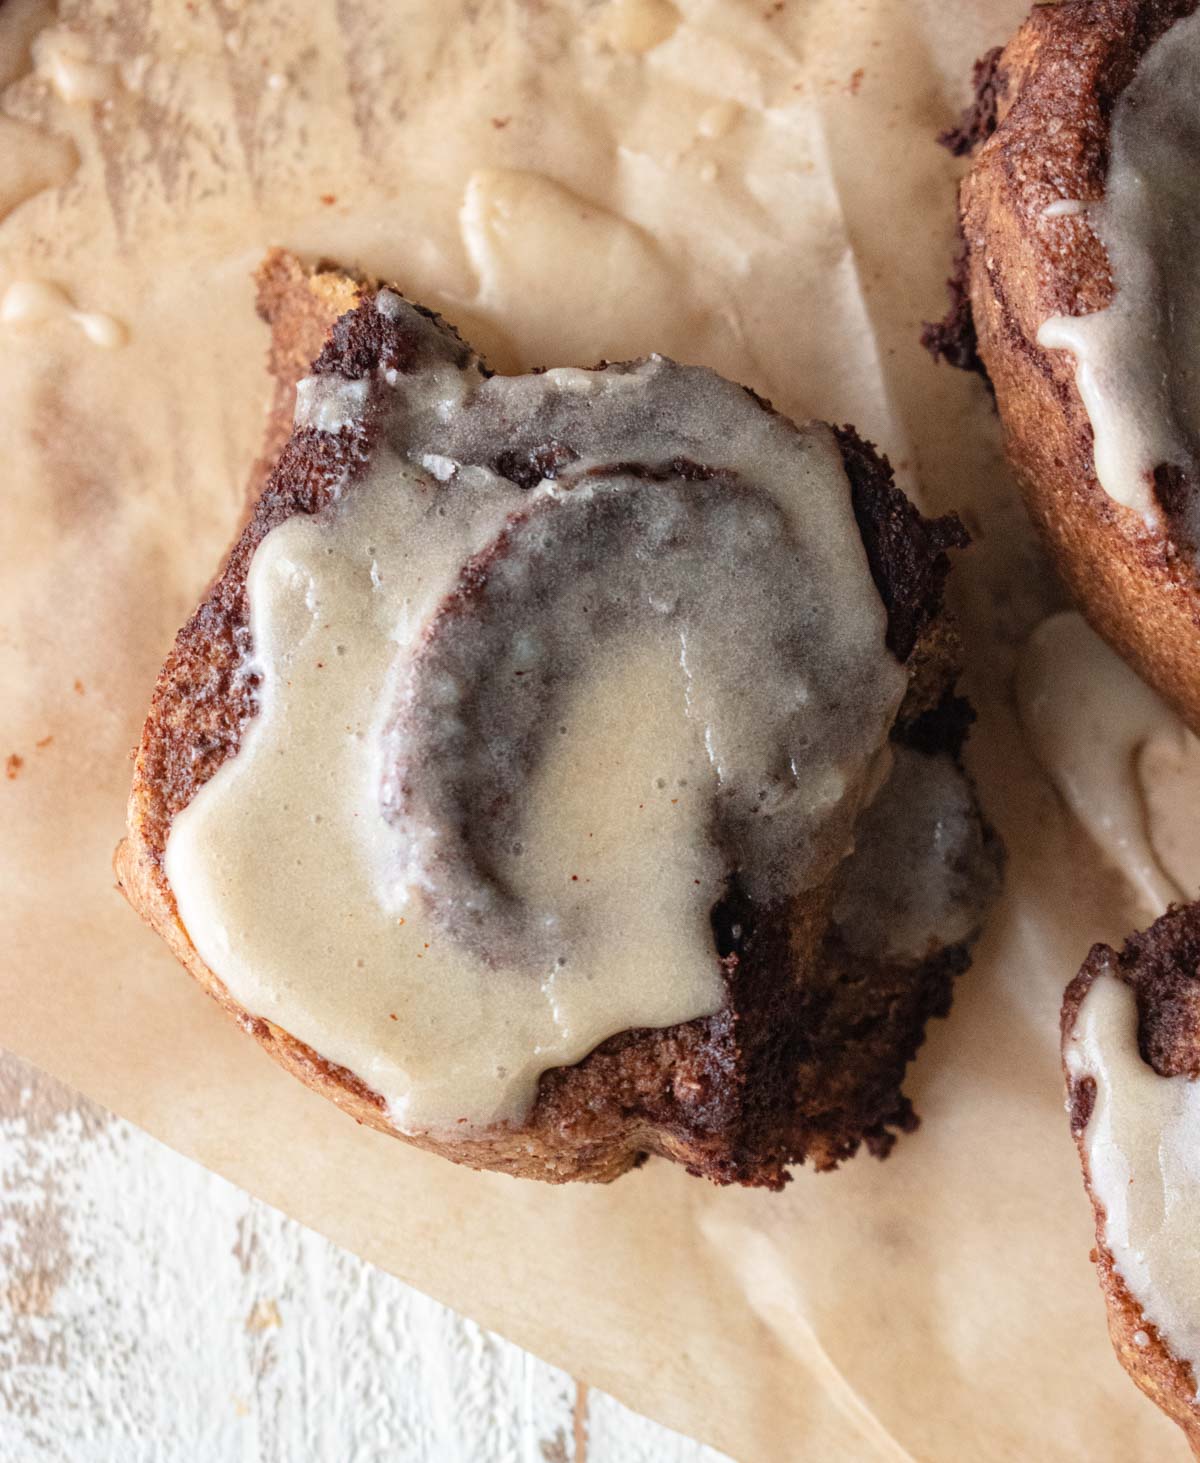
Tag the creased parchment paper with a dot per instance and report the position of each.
(753, 186)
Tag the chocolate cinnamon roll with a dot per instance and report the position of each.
(564, 768)
(1131, 1053)
(1076, 295)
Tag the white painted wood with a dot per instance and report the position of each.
(151, 1311)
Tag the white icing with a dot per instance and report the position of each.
(1135, 360)
(1142, 1151)
(1103, 736)
(340, 924)
(718, 120)
(1064, 208)
(329, 403)
(920, 879)
(389, 304)
(65, 59)
(28, 303)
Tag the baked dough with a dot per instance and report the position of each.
(1039, 136)
(805, 1058)
(1134, 1062)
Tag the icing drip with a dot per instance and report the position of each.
(28, 303)
(1104, 738)
(65, 59)
(697, 567)
(1136, 360)
(523, 709)
(1142, 1150)
(922, 876)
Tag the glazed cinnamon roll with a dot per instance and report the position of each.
(1076, 294)
(505, 784)
(1131, 1052)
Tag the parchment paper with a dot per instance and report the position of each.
(758, 190)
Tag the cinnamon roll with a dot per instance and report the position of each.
(504, 784)
(1076, 294)
(1131, 1052)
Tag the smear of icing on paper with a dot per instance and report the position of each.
(1123, 761)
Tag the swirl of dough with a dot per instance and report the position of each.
(705, 564)
(561, 662)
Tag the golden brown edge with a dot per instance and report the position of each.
(1138, 588)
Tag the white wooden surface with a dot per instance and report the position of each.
(151, 1311)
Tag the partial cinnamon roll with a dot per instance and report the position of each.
(505, 783)
(1077, 294)
(1131, 1053)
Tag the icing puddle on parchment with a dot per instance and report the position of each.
(1125, 764)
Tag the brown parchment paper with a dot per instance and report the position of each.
(757, 190)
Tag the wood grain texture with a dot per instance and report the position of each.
(150, 1310)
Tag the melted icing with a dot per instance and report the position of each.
(500, 817)
(29, 303)
(1104, 737)
(1142, 1149)
(1136, 360)
(65, 59)
(629, 275)
(921, 877)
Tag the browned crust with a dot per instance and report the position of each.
(1041, 133)
(907, 553)
(300, 305)
(791, 1069)
(1162, 964)
(1045, 110)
